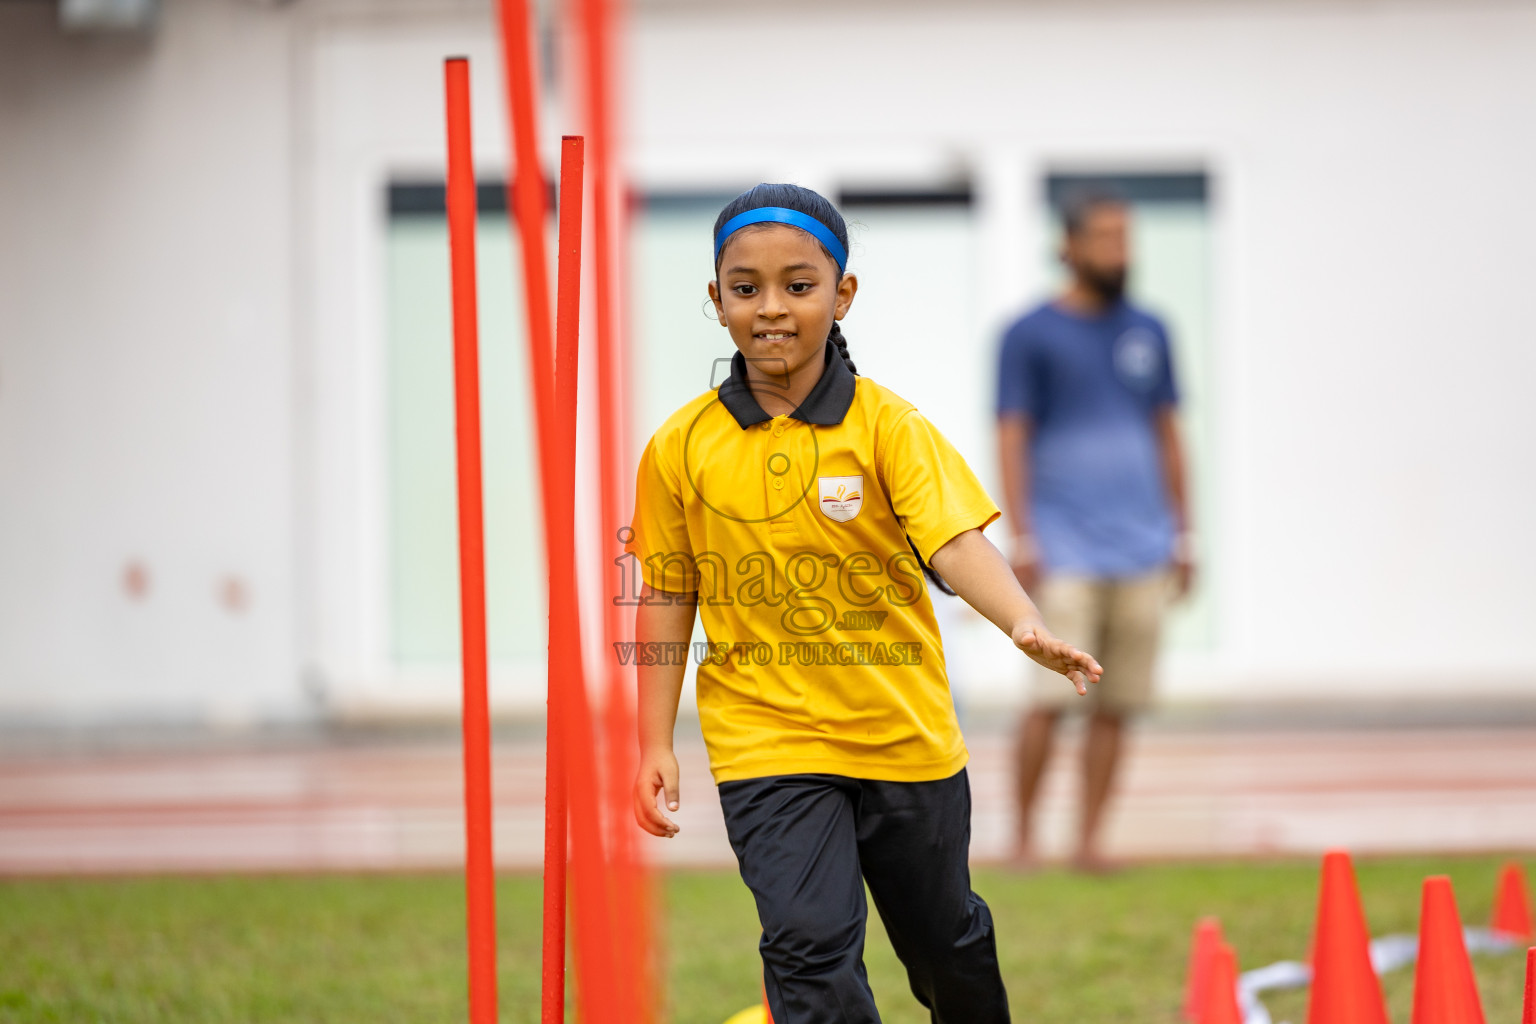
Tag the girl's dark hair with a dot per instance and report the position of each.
(813, 204)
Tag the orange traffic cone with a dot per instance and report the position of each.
(1529, 1017)
(1345, 989)
(1220, 1002)
(1512, 904)
(1444, 991)
(1202, 950)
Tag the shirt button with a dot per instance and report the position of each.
(778, 431)
(766, 426)
(778, 483)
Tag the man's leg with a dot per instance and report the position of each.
(1071, 607)
(1131, 621)
(795, 839)
(1037, 731)
(914, 845)
(1101, 759)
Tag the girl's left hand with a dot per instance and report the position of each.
(1058, 656)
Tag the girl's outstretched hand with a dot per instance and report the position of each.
(1058, 655)
(657, 775)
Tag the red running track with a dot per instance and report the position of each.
(395, 805)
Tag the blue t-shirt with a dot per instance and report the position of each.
(1091, 386)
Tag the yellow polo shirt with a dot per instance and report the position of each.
(823, 653)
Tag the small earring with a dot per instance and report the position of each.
(708, 309)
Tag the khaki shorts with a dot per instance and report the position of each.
(1118, 621)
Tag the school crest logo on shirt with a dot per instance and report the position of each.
(841, 496)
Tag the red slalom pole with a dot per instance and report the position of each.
(528, 208)
(527, 212)
(594, 950)
(479, 870)
(594, 81)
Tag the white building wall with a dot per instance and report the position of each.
(191, 262)
(147, 369)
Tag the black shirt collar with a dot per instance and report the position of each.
(825, 406)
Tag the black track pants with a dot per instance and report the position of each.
(807, 844)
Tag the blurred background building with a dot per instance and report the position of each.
(225, 394)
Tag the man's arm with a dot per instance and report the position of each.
(1013, 433)
(1175, 483)
(662, 618)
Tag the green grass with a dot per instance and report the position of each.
(391, 948)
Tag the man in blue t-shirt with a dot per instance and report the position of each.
(1093, 482)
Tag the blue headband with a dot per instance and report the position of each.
(794, 218)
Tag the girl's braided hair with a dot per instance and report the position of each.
(813, 204)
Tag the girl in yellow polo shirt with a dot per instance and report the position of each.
(803, 512)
